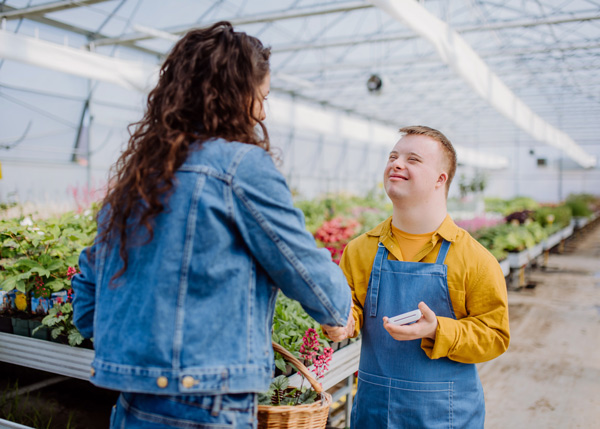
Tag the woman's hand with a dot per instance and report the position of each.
(425, 327)
(339, 333)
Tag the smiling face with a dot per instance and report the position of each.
(415, 169)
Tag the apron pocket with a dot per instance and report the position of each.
(369, 409)
(420, 404)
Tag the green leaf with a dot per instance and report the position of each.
(307, 397)
(73, 260)
(280, 383)
(280, 363)
(27, 263)
(55, 265)
(55, 231)
(265, 398)
(75, 338)
(21, 286)
(9, 284)
(56, 285)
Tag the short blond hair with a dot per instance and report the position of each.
(450, 153)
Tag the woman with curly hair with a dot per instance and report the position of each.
(196, 235)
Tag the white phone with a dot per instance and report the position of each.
(406, 318)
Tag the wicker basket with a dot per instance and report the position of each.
(305, 416)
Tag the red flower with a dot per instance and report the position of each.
(71, 271)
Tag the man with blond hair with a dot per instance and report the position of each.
(422, 375)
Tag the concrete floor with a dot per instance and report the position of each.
(550, 375)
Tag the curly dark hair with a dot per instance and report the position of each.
(207, 88)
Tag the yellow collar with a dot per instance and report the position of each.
(448, 230)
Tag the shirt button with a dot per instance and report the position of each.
(92, 372)
(188, 381)
(162, 382)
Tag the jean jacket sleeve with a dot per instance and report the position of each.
(84, 288)
(275, 232)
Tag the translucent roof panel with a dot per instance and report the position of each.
(547, 52)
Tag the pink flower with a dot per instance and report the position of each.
(71, 271)
(309, 351)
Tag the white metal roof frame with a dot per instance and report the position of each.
(542, 56)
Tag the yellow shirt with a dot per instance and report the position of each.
(475, 281)
(410, 244)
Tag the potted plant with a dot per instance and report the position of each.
(38, 260)
(283, 406)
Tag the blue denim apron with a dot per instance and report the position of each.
(398, 385)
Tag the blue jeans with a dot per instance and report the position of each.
(137, 410)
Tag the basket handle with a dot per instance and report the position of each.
(303, 370)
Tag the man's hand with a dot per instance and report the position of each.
(425, 327)
(339, 333)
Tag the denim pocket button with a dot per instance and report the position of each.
(188, 381)
(162, 382)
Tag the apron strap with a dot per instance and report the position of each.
(376, 277)
(443, 252)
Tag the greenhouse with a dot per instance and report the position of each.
(356, 92)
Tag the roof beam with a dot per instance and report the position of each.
(140, 77)
(268, 17)
(42, 9)
(408, 36)
(457, 53)
(78, 30)
(430, 59)
(132, 75)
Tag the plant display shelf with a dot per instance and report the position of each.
(343, 365)
(580, 222)
(553, 240)
(568, 231)
(519, 261)
(76, 362)
(46, 355)
(5, 424)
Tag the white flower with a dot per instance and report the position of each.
(26, 222)
(87, 212)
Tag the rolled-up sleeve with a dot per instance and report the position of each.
(275, 233)
(484, 333)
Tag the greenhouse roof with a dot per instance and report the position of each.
(487, 73)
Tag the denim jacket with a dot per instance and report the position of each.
(194, 310)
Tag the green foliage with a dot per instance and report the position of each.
(511, 238)
(582, 205)
(41, 251)
(475, 184)
(280, 394)
(369, 210)
(558, 217)
(60, 322)
(38, 258)
(290, 322)
(506, 207)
